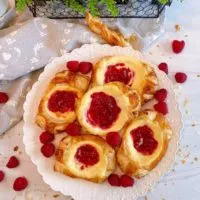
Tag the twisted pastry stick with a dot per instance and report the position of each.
(112, 37)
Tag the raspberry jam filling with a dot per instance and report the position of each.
(62, 101)
(87, 155)
(103, 110)
(119, 73)
(143, 140)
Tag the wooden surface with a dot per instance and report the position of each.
(183, 182)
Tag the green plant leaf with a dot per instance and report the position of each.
(92, 6)
(75, 5)
(111, 6)
(163, 1)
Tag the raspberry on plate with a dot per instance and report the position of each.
(178, 46)
(20, 183)
(180, 77)
(85, 67)
(114, 180)
(13, 162)
(161, 107)
(113, 139)
(48, 150)
(73, 66)
(3, 97)
(161, 94)
(2, 175)
(163, 67)
(46, 137)
(126, 181)
(73, 129)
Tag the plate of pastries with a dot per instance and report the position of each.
(102, 122)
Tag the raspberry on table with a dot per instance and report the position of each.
(113, 139)
(46, 137)
(114, 180)
(20, 183)
(48, 150)
(13, 162)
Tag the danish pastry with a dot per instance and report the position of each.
(87, 156)
(133, 73)
(145, 142)
(107, 108)
(58, 105)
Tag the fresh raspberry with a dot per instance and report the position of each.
(113, 139)
(3, 97)
(20, 183)
(13, 162)
(163, 67)
(73, 129)
(1, 175)
(161, 95)
(180, 77)
(73, 66)
(85, 67)
(46, 137)
(161, 107)
(126, 181)
(178, 46)
(48, 150)
(114, 180)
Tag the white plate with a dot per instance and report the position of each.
(81, 189)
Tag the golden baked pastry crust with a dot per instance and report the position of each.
(128, 101)
(130, 160)
(66, 164)
(56, 122)
(144, 81)
(110, 36)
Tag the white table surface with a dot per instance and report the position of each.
(183, 182)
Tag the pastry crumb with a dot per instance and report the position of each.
(177, 27)
(186, 35)
(15, 148)
(196, 159)
(158, 45)
(198, 75)
(183, 162)
(186, 102)
(193, 124)
(56, 195)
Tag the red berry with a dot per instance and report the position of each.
(73, 129)
(163, 67)
(161, 107)
(46, 137)
(13, 162)
(20, 183)
(178, 46)
(85, 67)
(114, 180)
(126, 181)
(3, 97)
(48, 150)
(73, 66)
(113, 139)
(180, 77)
(1, 175)
(161, 95)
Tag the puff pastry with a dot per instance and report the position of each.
(132, 72)
(144, 144)
(62, 97)
(110, 36)
(87, 156)
(107, 108)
